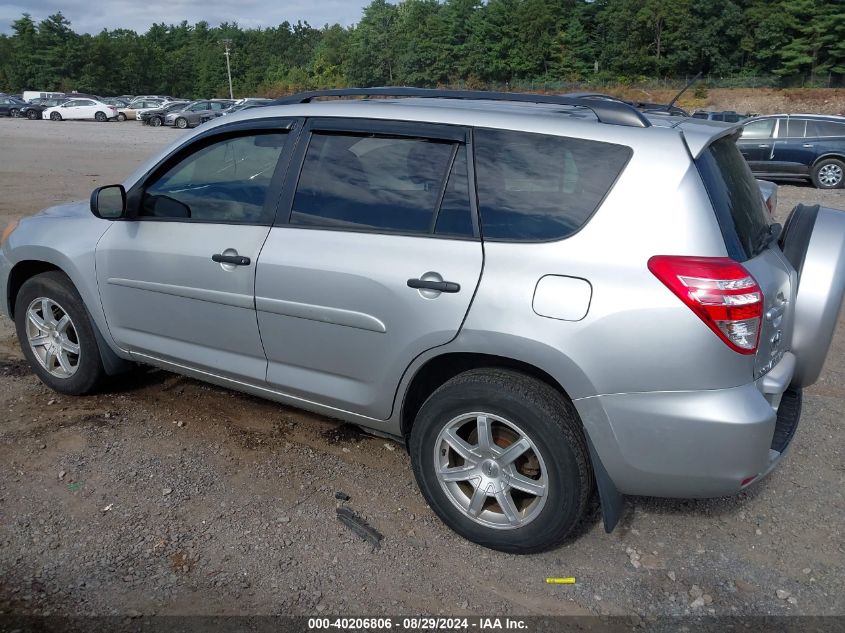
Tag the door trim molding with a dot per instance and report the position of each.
(200, 294)
(323, 314)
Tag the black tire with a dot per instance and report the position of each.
(32, 115)
(547, 419)
(55, 116)
(155, 121)
(13, 113)
(182, 123)
(829, 173)
(121, 116)
(56, 286)
(100, 117)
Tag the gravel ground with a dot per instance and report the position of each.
(165, 495)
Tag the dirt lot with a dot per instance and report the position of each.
(166, 495)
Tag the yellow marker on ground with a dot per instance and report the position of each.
(560, 581)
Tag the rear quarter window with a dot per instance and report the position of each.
(535, 187)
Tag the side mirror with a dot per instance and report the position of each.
(109, 202)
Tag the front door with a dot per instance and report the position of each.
(177, 281)
(377, 261)
(756, 144)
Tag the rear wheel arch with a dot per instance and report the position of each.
(440, 369)
(831, 155)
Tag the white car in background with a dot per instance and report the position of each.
(87, 109)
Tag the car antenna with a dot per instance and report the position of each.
(683, 90)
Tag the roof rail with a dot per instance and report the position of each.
(611, 112)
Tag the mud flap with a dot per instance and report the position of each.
(813, 241)
(612, 501)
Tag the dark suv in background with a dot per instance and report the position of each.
(796, 147)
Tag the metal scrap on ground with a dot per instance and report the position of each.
(358, 525)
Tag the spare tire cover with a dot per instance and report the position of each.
(814, 243)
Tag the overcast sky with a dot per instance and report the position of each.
(87, 16)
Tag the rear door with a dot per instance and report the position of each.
(793, 153)
(374, 259)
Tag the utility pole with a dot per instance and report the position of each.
(227, 44)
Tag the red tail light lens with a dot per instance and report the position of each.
(720, 291)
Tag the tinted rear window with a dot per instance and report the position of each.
(534, 187)
(735, 196)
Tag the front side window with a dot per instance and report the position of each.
(534, 187)
(226, 181)
(759, 129)
(381, 184)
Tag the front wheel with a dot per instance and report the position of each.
(829, 173)
(155, 121)
(181, 123)
(55, 116)
(14, 113)
(56, 334)
(502, 459)
(121, 116)
(32, 115)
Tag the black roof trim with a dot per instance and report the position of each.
(610, 112)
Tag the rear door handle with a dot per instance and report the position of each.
(235, 260)
(808, 145)
(439, 286)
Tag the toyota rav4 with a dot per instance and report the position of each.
(541, 296)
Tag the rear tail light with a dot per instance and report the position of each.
(720, 291)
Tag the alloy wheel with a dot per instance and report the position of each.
(491, 470)
(52, 337)
(830, 175)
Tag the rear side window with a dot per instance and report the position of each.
(735, 196)
(383, 184)
(534, 187)
(830, 128)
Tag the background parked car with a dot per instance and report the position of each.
(33, 111)
(728, 116)
(132, 110)
(243, 104)
(196, 112)
(117, 102)
(796, 147)
(81, 109)
(10, 106)
(155, 117)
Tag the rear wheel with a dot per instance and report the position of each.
(14, 112)
(181, 123)
(56, 335)
(101, 117)
(121, 116)
(32, 115)
(502, 459)
(55, 116)
(155, 121)
(829, 173)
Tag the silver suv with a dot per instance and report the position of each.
(541, 296)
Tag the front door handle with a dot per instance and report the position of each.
(235, 260)
(439, 286)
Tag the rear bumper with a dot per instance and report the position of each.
(694, 443)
